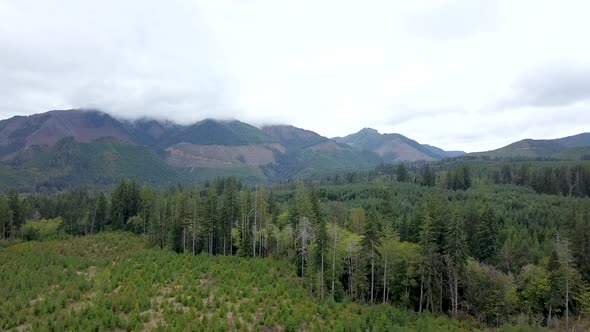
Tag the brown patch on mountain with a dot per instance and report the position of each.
(196, 155)
(401, 151)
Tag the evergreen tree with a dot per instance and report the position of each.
(119, 206)
(456, 252)
(487, 235)
(428, 268)
(5, 217)
(230, 212)
(580, 241)
(555, 293)
(321, 237)
(211, 220)
(565, 258)
(245, 227)
(371, 240)
(387, 251)
(428, 176)
(176, 236)
(100, 216)
(402, 173)
(147, 199)
(18, 213)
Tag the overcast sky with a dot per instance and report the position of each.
(459, 74)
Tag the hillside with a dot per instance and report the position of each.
(45, 129)
(575, 141)
(69, 163)
(394, 148)
(213, 132)
(294, 137)
(114, 282)
(59, 149)
(578, 153)
(34, 151)
(308, 153)
(533, 148)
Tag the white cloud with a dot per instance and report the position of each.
(461, 74)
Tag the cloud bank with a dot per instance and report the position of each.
(457, 74)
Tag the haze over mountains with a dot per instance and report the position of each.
(73, 147)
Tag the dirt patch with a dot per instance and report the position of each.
(401, 151)
(24, 327)
(37, 300)
(195, 155)
(89, 274)
(156, 319)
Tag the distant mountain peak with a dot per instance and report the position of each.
(369, 130)
(393, 147)
(292, 136)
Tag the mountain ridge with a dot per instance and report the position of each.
(393, 147)
(538, 148)
(49, 148)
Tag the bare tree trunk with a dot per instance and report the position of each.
(567, 300)
(322, 283)
(266, 245)
(440, 293)
(302, 262)
(349, 272)
(93, 220)
(194, 230)
(421, 291)
(334, 262)
(194, 242)
(261, 240)
(456, 293)
(210, 240)
(254, 228)
(384, 277)
(372, 272)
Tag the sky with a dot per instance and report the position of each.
(459, 74)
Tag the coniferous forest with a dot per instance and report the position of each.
(442, 246)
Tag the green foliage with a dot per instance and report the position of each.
(220, 132)
(41, 229)
(99, 163)
(110, 281)
(487, 235)
(492, 293)
(402, 173)
(411, 249)
(459, 178)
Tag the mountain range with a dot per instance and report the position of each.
(571, 147)
(57, 149)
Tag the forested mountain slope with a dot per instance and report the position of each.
(33, 150)
(531, 148)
